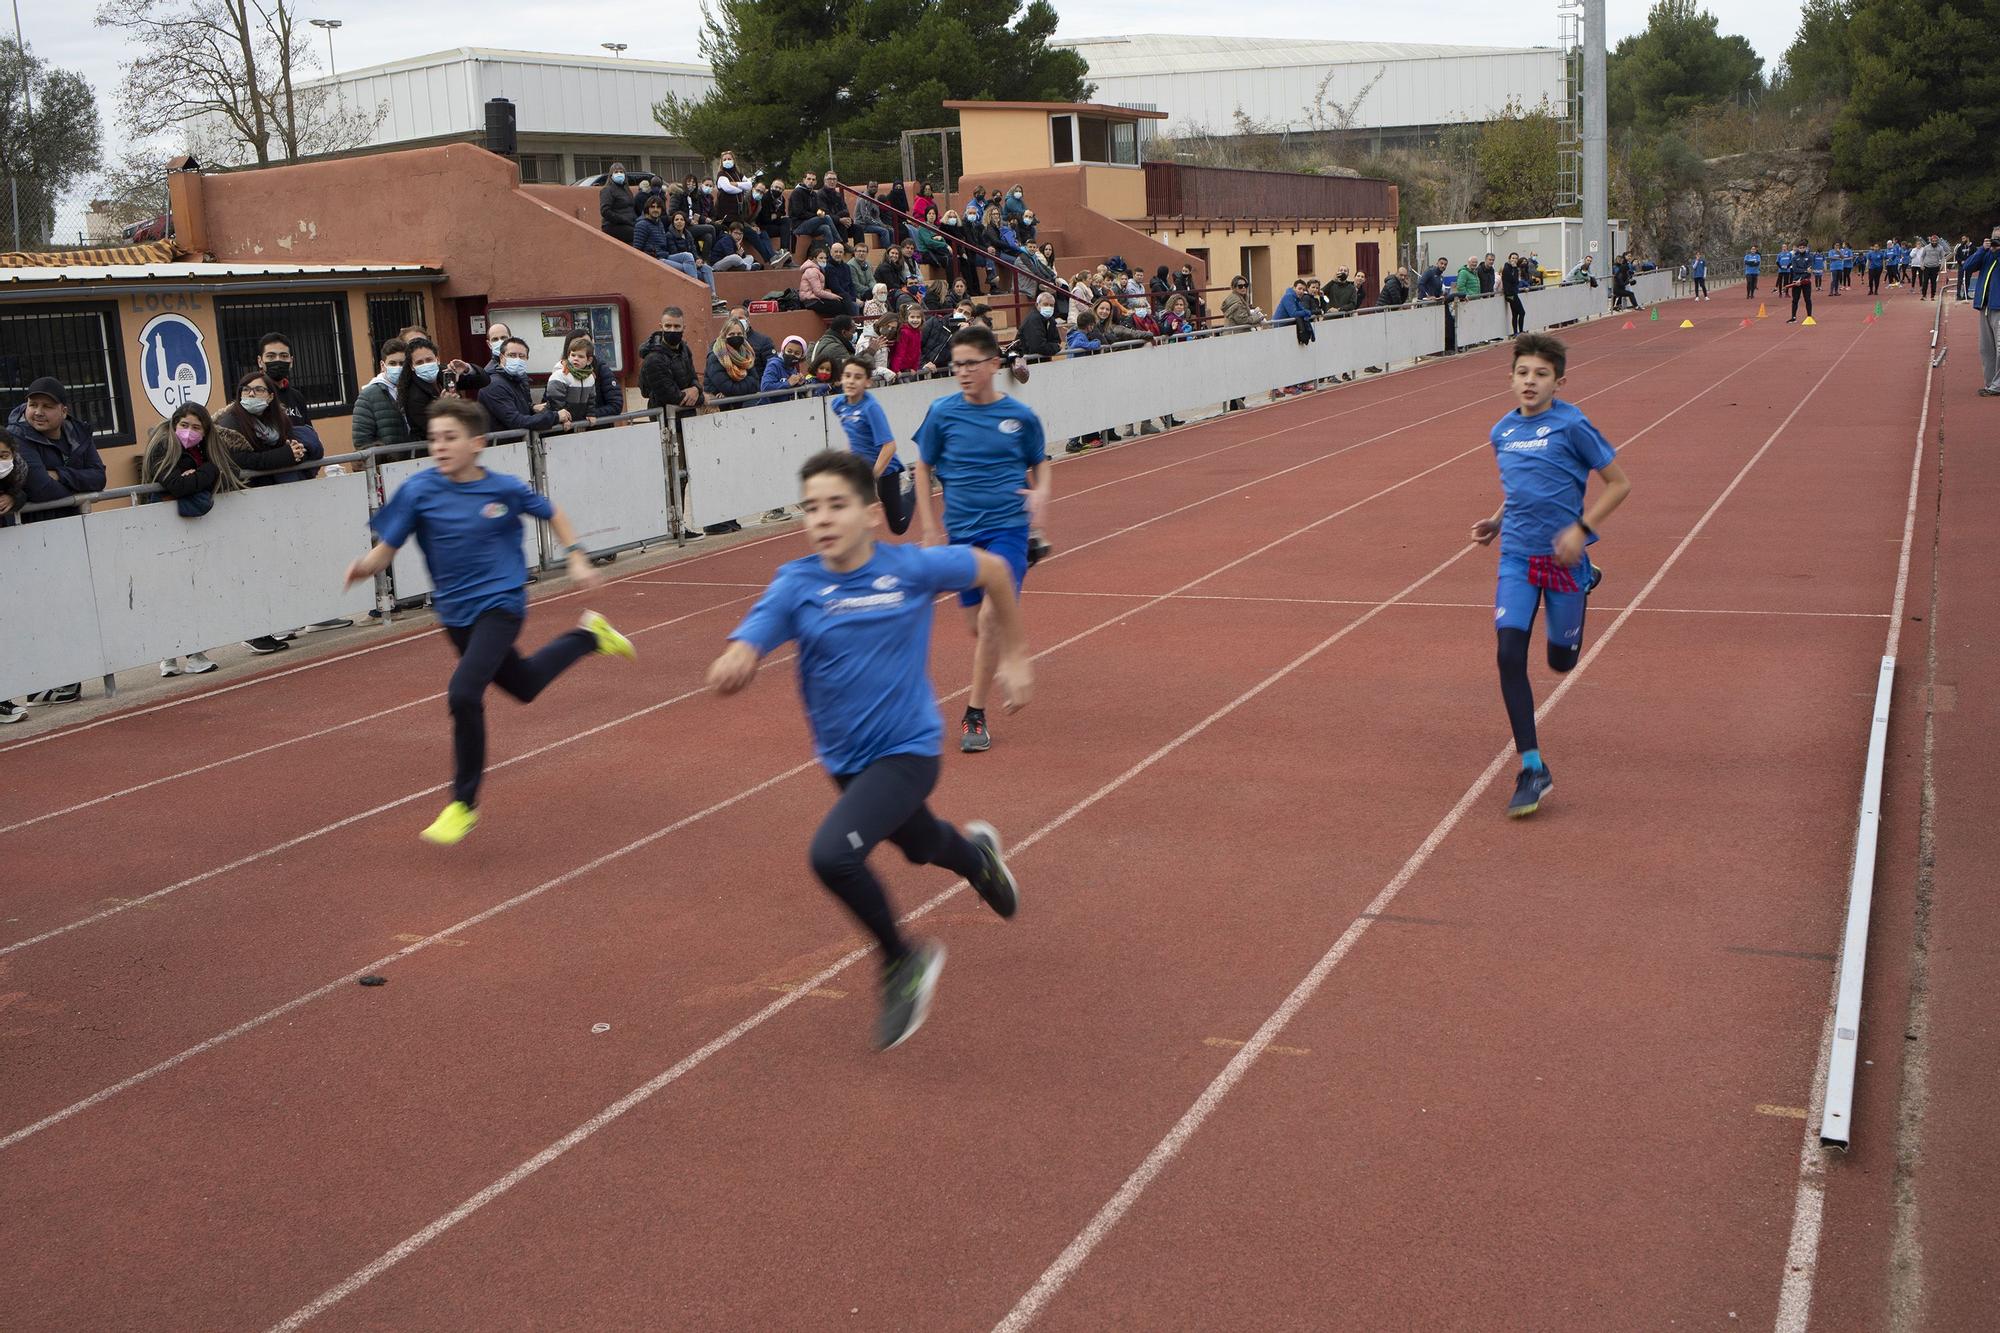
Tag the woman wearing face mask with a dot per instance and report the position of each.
(678, 251)
(193, 460)
(583, 387)
(731, 365)
(1015, 206)
(378, 417)
(766, 232)
(614, 206)
(1178, 319)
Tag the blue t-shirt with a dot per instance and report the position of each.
(470, 534)
(867, 428)
(864, 647)
(982, 454)
(1784, 261)
(1752, 262)
(1545, 462)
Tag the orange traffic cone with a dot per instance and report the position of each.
(1628, 324)
(1745, 324)
(1760, 310)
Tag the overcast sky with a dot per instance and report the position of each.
(375, 31)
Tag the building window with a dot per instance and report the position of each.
(1124, 143)
(590, 164)
(673, 168)
(1095, 134)
(1306, 269)
(389, 313)
(78, 344)
(541, 169)
(314, 324)
(1062, 148)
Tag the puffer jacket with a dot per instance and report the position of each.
(378, 418)
(53, 470)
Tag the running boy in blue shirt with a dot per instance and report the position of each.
(868, 435)
(1546, 450)
(989, 452)
(860, 612)
(468, 523)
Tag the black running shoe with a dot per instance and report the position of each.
(907, 988)
(61, 694)
(1596, 577)
(1529, 789)
(996, 883)
(976, 737)
(266, 643)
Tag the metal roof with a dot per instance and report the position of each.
(473, 54)
(1175, 53)
(197, 272)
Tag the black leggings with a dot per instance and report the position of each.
(1518, 314)
(1701, 286)
(1874, 281)
(1927, 282)
(884, 802)
(1803, 287)
(1749, 285)
(1515, 690)
(486, 656)
(896, 506)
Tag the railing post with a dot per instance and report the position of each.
(385, 594)
(538, 477)
(670, 451)
(109, 679)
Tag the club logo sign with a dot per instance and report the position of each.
(173, 364)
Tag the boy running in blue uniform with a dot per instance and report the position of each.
(1546, 450)
(868, 435)
(468, 523)
(860, 612)
(990, 453)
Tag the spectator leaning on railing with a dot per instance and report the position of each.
(378, 417)
(1395, 288)
(55, 448)
(582, 387)
(274, 358)
(13, 481)
(667, 375)
(510, 401)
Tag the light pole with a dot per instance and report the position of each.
(615, 48)
(333, 70)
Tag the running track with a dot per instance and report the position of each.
(1294, 1030)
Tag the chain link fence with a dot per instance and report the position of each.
(32, 220)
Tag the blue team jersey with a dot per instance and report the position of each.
(867, 427)
(864, 647)
(1700, 269)
(1545, 462)
(982, 454)
(470, 534)
(1874, 258)
(1751, 263)
(1818, 262)
(1784, 261)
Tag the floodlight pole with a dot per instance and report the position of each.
(1596, 159)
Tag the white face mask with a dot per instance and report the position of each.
(496, 344)
(392, 375)
(1048, 311)
(515, 365)
(254, 406)
(6, 467)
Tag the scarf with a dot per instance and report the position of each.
(735, 364)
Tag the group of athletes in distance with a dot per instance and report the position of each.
(1802, 270)
(860, 610)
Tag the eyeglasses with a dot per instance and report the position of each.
(956, 364)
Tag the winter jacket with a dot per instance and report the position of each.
(813, 283)
(937, 342)
(181, 483)
(907, 352)
(666, 372)
(1982, 277)
(1468, 282)
(263, 453)
(650, 236)
(1291, 307)
(378, 418)
(834, 202)
(840, 280)
(801, 204)
(828, 351)
(1039, 336)
(598, 396)
(511, 405)
(866, 212)
(863, 274)
(58, 468)
(1236, 309)
(1431, 285)
(1079, 343)
(777, 376)
(614, 211)
(717, 384)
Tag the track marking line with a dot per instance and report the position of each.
(1456, 606)
(1784, 1112)
(1756, 952)
(1230, 1043)
(307, 736)
(817, 992)
(409, 938)
(1073, 1256)
(1795, 1290)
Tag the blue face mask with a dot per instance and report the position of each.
(428, 371)
(392, 374)
(517, 366)
(617, 178)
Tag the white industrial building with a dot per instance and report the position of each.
(1202, 82)
(573, 114)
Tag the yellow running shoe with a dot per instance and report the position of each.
(609, 641)
(450, 828)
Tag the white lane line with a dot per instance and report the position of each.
(1795, 1288)
(645, 1091)
(310, 735)
(1073, 1256)
(1433, 383)
(1449, 606)
(337, 825)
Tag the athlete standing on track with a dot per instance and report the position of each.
(1546, 450)
(868, 435)
(468, 523)
(1801, 282)
(860, 612)
(983, 445)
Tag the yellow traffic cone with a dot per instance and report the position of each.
(1687, 323)
(1809, 322)
(1760, 310)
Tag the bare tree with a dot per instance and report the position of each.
(223, 76)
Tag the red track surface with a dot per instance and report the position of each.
(1541, 1080)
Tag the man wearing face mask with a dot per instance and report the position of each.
(617, 214)
(56, 451)
(378, 419)
(274, 359)
(667, 374)
(1040, 334)
(509, 401)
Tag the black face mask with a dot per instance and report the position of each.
(737, 341)
(673, 337)
(279, 371)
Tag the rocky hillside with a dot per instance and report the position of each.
(1769, 198)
